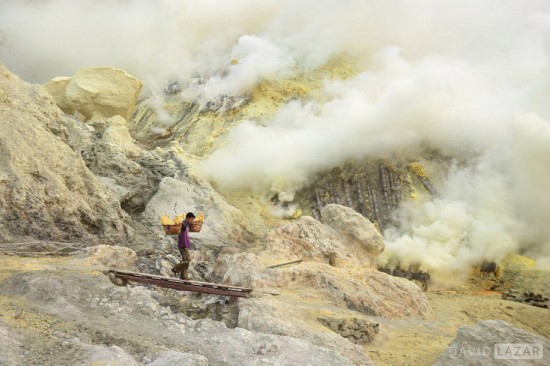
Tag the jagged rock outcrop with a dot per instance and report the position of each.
(46, 190)
(333, 274)
(484, 344)
(115, 160)
(336, 271)
(96, 92)
(311, 290)
(353, 227)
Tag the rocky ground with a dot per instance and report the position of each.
(65, 311)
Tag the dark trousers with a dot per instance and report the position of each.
(182, 266)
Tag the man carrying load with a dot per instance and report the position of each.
(183, 246)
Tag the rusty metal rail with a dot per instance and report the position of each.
(177, 284)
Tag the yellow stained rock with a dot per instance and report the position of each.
(96, 91)
(418, 170)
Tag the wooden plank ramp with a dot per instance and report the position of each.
(177, 284)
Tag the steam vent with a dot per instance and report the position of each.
(274, 183)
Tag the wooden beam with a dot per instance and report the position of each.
(183, 285)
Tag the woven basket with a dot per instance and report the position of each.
(195, 227)
(172, 229)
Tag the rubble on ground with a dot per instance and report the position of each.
(527, 297)
(355, 330)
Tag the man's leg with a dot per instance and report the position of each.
(186, 260)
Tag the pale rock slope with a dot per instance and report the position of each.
(46, 190)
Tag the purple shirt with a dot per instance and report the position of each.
(183, 238)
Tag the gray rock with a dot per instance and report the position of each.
(174, 358)
(354, 226)
(495, 342)
(308, 239)
(11, 346)
(107, 355)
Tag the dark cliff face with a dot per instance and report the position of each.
(374, 188)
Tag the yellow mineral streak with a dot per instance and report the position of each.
(418, 170)
(516, 261)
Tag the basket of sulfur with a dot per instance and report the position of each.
(173, 226)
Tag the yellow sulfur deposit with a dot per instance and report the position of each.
(297, 214)
(166, 220)
(418, 170)
(179, 219)
(516, 261)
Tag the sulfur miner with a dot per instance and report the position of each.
(184, 244)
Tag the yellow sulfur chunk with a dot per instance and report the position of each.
(166, 220)
(297, 214)
(179, 219)
(200, 217)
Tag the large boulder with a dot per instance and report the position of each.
(111, 256)
(56, 87)
(97, 92)
(495, 342)
(308, 239)
(354, 227)
(223, 222)
(46, 190)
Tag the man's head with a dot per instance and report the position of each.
(189, 217)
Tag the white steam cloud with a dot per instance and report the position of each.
(470, 78)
